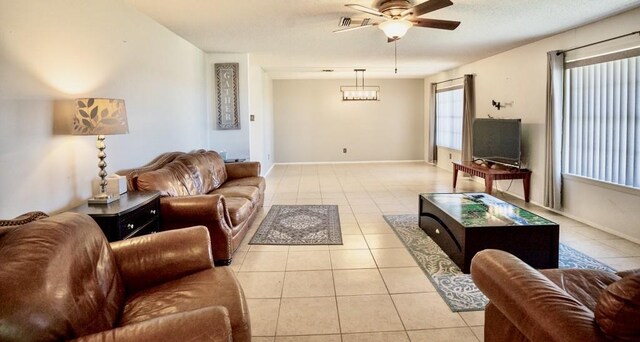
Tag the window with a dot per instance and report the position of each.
(601, 129)
(449, 108)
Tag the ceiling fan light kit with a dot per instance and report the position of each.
(395, 28)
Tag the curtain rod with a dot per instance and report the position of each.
(449, 80)
(598, 42)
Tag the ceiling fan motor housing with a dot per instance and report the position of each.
(393, 7)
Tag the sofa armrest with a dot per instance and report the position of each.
(207, 210)
(626, 273)
(242, 170)
(196, 209)
(150, 260)
(206, 324)
(532, 303)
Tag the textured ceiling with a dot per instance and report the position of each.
(294, 38)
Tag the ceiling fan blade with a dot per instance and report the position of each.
(435, 23)
(426, 7)
(367, 10)
(352, 28)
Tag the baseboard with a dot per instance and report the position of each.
(567, 215)
(352, 162)
(271, 168)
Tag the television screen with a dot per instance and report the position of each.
(497, 141)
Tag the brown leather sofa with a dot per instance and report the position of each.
(555, 304)
(198, 188)
(61, 280)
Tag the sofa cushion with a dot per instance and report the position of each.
(69, 285)
(213, 287)
(207, 167)
(258, 182)
(249, 192)
(618, 309)
(194, 173)
(174, 179)
(583, 285)
(239, 209)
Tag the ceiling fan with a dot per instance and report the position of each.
(400, 15)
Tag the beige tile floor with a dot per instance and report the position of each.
(370, 289)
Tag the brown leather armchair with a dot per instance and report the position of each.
(61, 280)
(555, 304)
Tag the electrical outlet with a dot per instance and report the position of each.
(449, 156)
(252, 118)
(344, 150)
(268, 157)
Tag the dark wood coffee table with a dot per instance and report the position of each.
(463, 224)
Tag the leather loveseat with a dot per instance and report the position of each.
(555, 304)
(198, 188)
(61, 280)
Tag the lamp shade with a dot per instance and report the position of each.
(96, 116)
(395, 28)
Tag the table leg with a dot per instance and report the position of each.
(526, 182)
(488, 184)
(455, 176)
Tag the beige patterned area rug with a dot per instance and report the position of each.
(299, 225)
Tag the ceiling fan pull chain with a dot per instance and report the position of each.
(395, 54)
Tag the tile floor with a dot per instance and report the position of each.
(370, 288)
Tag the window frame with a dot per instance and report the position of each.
(449, 89)
(597, 132)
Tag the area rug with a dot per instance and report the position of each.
(456, 288)
(299, 225)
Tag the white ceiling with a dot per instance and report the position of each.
(294, 38)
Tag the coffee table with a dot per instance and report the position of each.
(463, 224)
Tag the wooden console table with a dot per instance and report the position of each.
(490, 175)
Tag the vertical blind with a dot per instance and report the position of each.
(601, 129)
(449, 108)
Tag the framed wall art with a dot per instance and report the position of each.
(227, 95)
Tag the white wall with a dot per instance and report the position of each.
(261, 107)
(56, 50)
(236, 142)
(313, 124)
(519, 76)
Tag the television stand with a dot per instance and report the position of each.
(490, 175)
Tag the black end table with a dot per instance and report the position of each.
(134, 214)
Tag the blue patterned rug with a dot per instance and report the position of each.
(456, 288)
(299, 225)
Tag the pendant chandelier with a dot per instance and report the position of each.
(360, 92)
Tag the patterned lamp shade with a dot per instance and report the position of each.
(96, 116)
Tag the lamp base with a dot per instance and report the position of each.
(103, 199)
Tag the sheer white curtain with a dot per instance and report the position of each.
(554, 118)
(449, 110)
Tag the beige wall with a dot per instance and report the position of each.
(56, 50)
(519, 76)
(313, 124)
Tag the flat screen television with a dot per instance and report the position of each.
(497, 141)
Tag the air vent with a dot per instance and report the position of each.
(344, 22)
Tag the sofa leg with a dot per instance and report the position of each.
(222, 262)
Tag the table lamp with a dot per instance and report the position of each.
(95, 116)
